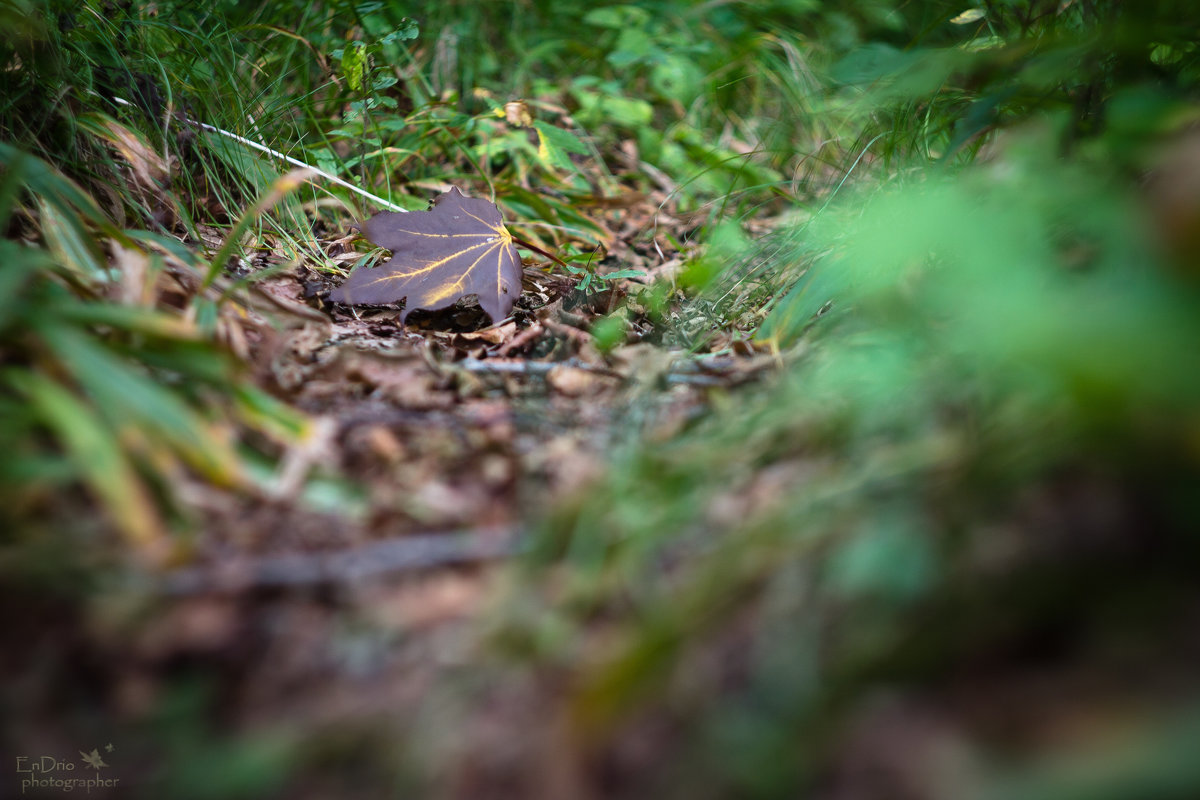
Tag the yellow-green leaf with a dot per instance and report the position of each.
(969, 16)
(97, 455)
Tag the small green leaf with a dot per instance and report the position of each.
(555, 143)
(354, 65)
(608, 332)
(624, 273)
(616, 17)
(408, 30)
(969, 16)
(382, 82)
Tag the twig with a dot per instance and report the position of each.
(407, 554)
(681, 374)
(570, 331)
(297, 162)
(707, 381)
(300, 457)
(293, 161)
(497, 366)
(523, 338)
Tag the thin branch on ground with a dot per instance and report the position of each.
(386, 558)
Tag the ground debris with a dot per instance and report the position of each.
(361, 563)
(377, 559)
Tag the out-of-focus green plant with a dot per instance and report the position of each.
(990, 332)
(1026, 264)
(968, 73)
(957, 341)
(122, 397)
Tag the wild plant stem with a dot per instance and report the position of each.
(298, 163)
(293, 161)
(537, 249)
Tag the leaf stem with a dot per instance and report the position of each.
(537, 249)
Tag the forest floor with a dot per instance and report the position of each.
(357, 621)
(347, 592)
(851, 451)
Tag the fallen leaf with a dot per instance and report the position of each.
(576, 382)
(458, 247)
(517, 114)
(497, 334)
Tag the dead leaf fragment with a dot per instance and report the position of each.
(576, 382)
(517, 114)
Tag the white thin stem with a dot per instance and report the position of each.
(297, 162)
(293, 161)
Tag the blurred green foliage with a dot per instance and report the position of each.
(119, 396)
(989, 336)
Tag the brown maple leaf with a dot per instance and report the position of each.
(457, 248)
